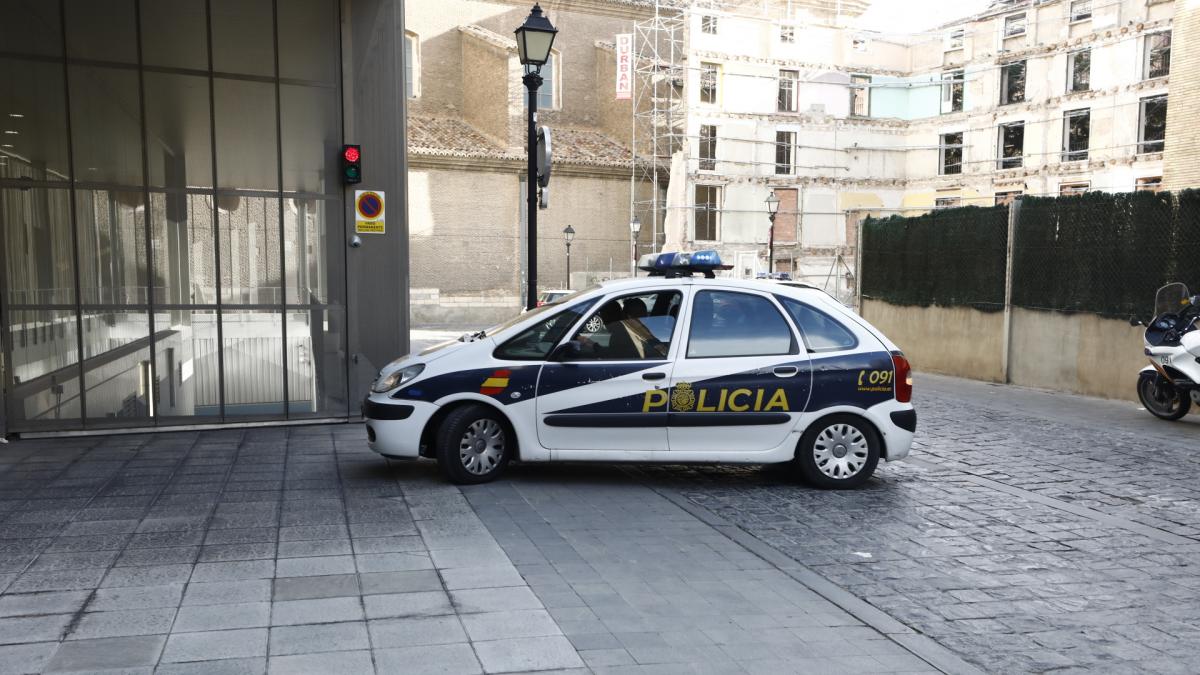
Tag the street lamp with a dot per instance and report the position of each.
(635, 226)
(772, 209)
(534, 39)
(569, 234)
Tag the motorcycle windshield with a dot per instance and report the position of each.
(1171, 299)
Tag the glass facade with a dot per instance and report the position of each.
(171, 214)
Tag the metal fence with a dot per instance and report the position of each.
(1101, 253)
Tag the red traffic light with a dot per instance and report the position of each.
(351, 153)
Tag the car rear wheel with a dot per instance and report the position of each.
(838, 452)
(473, 445)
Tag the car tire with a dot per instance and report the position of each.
(838, 452)
(474, 444)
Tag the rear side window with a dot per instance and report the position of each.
(821, 332)
(534, 343)
(726, 323)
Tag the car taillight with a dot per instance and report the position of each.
(903, 377)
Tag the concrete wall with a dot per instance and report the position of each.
(1079, 353)
(1076, 353)
(956, 341)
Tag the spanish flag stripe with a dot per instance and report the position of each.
(492, 382)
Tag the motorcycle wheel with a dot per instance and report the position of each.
(1161, 398)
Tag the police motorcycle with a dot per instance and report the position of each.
(1171, 383)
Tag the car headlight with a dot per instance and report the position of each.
(396, 378)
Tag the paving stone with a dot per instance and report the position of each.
(420, 603)
(329, 663)
(234, 571)
(106, 653)
(15, 630)
(494, 599)
(510, 624)
(247, 666)
(153, 575)
(222, 617)
(25, 658)
(63, 580)
(305, 588)
(428, 660)
(400, 582)
(532, 653)
(137, 597)
(122, 623)
(227, 592)
(292, 612)
(315, 566)
(415, 631)
(323, 637)
(214, 645)
(51, 602)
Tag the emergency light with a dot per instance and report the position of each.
(672, 265)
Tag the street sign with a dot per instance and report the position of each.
(624, 66)
(543, 156)
(368, 212)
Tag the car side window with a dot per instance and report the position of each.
(630, 328)
(821, 332)
(727, 323)
(534, 343)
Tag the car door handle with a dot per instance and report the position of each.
(654, 376)
(785, 371)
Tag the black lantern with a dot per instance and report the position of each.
(534, 38)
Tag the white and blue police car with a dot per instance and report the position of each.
(676, 367)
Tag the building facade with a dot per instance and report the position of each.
(175, 229)
(467, 135)
(1029, 97)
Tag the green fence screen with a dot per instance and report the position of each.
(1102, 253)
(945, 257)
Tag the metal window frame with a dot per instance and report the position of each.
(72, 184)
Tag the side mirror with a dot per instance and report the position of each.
(567, 351)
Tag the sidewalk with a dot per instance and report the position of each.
(297, 550)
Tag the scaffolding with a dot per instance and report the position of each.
(659, 112)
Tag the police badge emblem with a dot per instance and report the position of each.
(683, 398)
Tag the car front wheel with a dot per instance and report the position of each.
(838, 452)
(473, 445)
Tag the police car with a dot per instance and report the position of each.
(677, 367)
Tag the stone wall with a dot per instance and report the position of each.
(1181, 158)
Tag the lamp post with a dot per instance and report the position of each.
(772, 209)
(635, 226)
(569, 234)
(534, 39)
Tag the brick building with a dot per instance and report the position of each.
(467, 155)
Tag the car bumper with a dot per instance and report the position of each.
(898, 424)
(394, 427)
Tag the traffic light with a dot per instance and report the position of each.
(351, 164)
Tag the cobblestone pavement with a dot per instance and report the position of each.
(1030, 531)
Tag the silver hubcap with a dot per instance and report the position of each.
(840, 451)
(481, 446)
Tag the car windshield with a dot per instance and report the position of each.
(499, 329)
